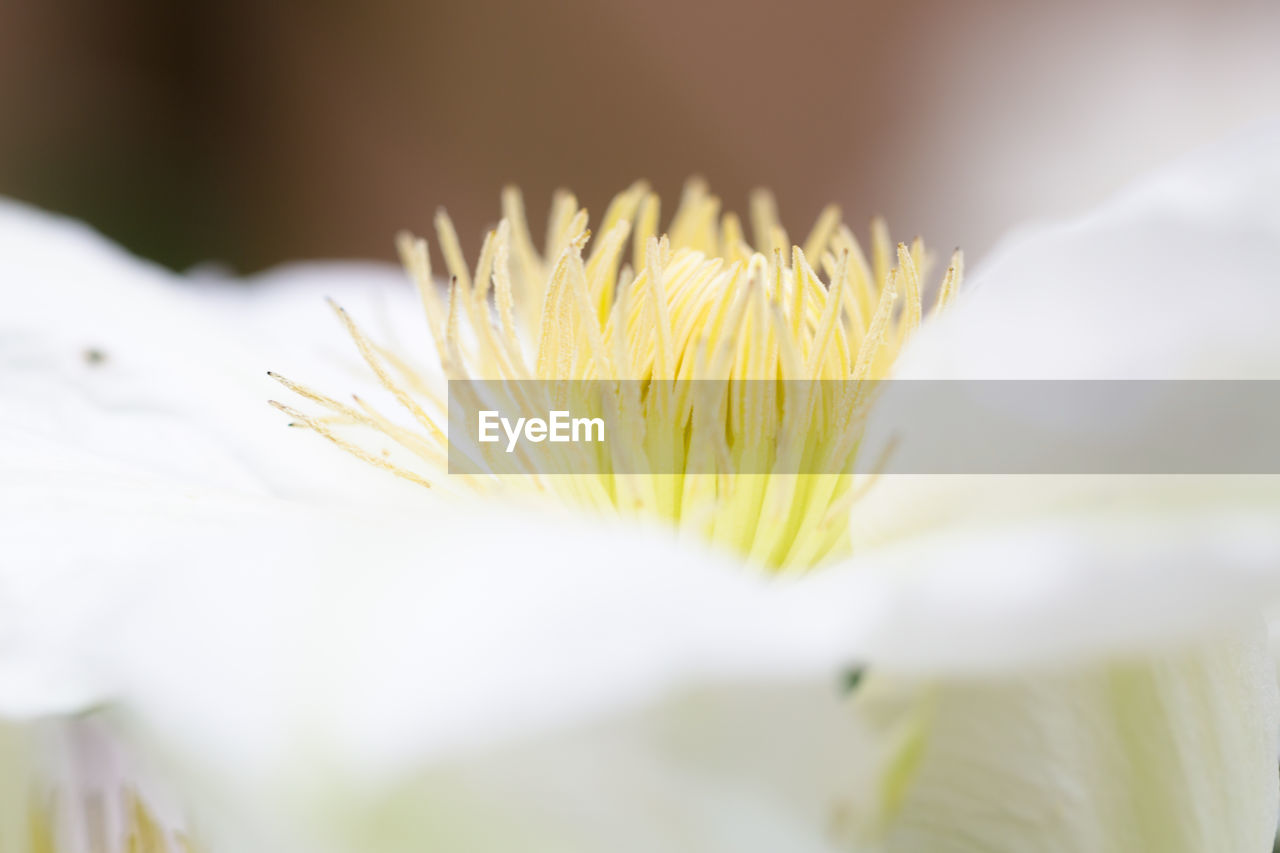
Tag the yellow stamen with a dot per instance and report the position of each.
(682, 315)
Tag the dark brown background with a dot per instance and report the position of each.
(250, 131)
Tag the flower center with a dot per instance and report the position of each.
(696, 307)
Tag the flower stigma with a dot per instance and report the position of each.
(701, 340)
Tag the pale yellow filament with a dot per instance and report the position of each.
(696, 303)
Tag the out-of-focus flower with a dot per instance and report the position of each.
(328, 658)
(67, 785)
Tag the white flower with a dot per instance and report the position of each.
(328, 658)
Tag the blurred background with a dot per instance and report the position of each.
(250, 133)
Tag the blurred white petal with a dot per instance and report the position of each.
(249, 639)
(1175, 279)
(253, 642)
(1173, 754)
(1172, 279)
(282, 317)
(128, 362)
(730, 768)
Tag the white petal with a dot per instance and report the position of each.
(722, 769)
(1175, 279)
(253, 641)
(284, 317)
(256, 642)
(1174, 753)
(126, 361)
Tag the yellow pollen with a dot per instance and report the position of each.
(697, 302)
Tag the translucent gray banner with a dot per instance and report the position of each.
(594, 427)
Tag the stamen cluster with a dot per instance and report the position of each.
(694, 303)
